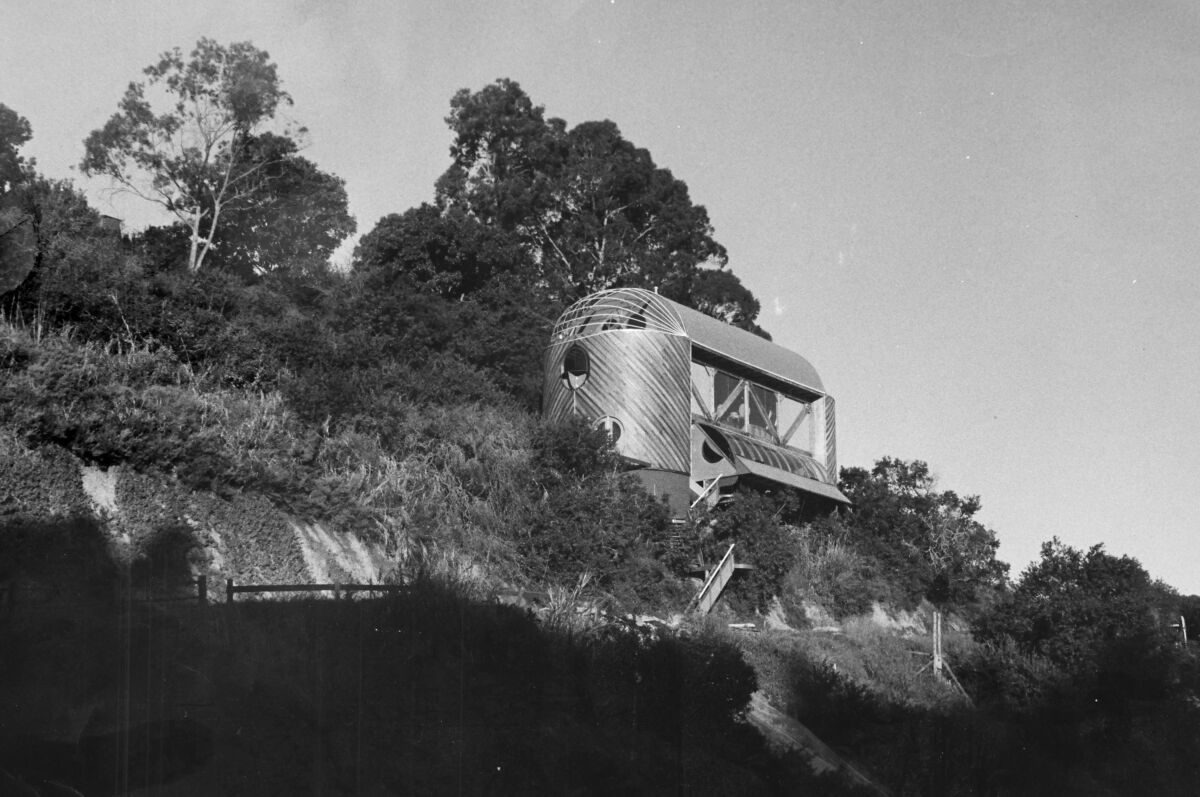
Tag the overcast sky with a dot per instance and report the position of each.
(979, 221)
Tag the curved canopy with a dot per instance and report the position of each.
(636, 308)
(771, 462)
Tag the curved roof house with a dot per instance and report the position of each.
(695, 404)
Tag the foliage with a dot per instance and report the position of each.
(66, 235)
(722, 295)
(197, 158)
(295, 220)
(925, 540)
(565, 212)
(17, 244)
(1076, 608)
(751, 522)
(451, 254)
(593, 520)
(1007, 680)
(14, 133)
(573, 450)
(830, 571)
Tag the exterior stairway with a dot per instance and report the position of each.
(718, 577)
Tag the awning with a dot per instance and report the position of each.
(775, 463)
(791, 479)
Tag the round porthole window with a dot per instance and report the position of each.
(612, 426)
(576, 367)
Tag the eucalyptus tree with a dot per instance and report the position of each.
(184, 137)
(591, 210)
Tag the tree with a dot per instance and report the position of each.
(1076, 608)
(722, 295)
(293, 223)
(447, 253)
(40, 219)
(591, 210)
(17, 238)
(197, 158)
(14, 133)
(926, 538)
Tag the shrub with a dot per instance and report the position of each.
(830, 571)
(751, 522)
(1004, 679)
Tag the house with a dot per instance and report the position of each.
(694, 405)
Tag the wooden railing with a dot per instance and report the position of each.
(338, 590)
(715, 583)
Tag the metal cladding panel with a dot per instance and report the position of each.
(640, 377)
(636, 307)
(831, 467)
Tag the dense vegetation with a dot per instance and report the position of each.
(397, 401)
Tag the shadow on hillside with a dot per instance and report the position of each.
(425, 692)
(1063, 737)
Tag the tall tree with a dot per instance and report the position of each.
(591, 210)
(720, 294)
(194, 157)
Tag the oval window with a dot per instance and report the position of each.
(575, 368)
(611, 425)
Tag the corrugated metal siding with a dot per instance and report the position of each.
(641, 378)
(831, 466)
(636, 307)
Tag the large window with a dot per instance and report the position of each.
(738, 403)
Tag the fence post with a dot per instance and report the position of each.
(202, 589)
(337, 591)
(229, 590)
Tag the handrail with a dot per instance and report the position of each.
(712, 577)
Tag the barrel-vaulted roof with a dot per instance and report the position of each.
(636, 308)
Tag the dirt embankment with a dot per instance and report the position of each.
(240, 536)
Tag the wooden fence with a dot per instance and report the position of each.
(338, 590)
(8, 598)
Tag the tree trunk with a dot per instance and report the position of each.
(193, 265)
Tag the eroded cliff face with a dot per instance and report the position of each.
(150, 521)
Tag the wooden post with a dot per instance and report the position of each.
(202, 590)
(1183, 629)
(937, 644)
(229, 590)
(337, 591)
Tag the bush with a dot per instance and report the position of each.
(830, 571)
(751, 522)
(599, 525)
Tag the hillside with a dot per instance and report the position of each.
(175, 407)
(87, 541)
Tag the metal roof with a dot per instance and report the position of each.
(637, 308)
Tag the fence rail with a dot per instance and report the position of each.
(338, 590)
(9, 600)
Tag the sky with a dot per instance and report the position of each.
(979, 220)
